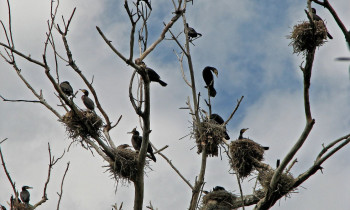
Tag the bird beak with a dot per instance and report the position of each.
(30, 187)
(216, 72)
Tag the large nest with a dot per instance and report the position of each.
(84, 124)
(211, 136)
(284, 184)
(303, 38)
(124, 166)
(220, 199)
(244, 153)
(22, 206)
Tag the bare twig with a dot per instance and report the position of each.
(61, 193)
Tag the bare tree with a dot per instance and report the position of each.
(87, 128)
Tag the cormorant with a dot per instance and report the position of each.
(217, 188)
(316, 17)
(217, 118)
(241, 137)
(66, 88)
(209, 79)
(25, 196)
(136, 141)
(192, 33)
(87, 101)
(154, 77)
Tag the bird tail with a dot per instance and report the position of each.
(329, 35)
(266, 148)
(212, 91)
(227, 137)
(162, 83)
(153, 157)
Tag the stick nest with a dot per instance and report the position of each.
(22, 206)
(220, 199)
(244, 153)
(303, 38)
(211, 136)
(84, 124)
(124, 167)
(284, 184)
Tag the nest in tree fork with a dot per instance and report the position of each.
(304, 39)
(244, 153)
(220, 199)
(284, 184)
(84, 124)
(211, 137)
(124, 166)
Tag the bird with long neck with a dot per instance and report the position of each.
(240, 137)
(86, 100)
(136, 141)
(209, 79)
(318, 18)
(192, 33)
(154, 77)
(218, 119)
(25, 195)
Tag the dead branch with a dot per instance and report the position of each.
(61, 193)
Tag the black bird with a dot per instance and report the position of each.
(136, 141)
(154, 77)
(66, 88)
(87, 101)
(278, 163)
(217, 118)
(317, 18)
(241, 137)
(209, 79)
(217, 188)
(192, 33)
(25, 195)
(147, 2)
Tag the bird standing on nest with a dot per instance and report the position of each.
(241, 137)
(66, 88)
(209, 79)
(154, 77)
(25, 195)
(217, 118)
(87, 101)
(192, 34)
(136, 141)
(317, 18)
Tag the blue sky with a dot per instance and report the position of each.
(245, 40)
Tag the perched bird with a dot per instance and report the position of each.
(136, 141)
(25, 195)
(209, 79)
(66, 88)
(147, 2)
(154, 77)
(217, 118)
(317, 18)
(192, 33)
(217, 188)
(87, 101)
(241, 137)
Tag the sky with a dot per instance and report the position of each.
(245, 40)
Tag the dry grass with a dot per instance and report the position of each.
(220, 199)
(303, 38)
(243, 154)
(82, 125)
(124, 167)
(211, 136)
(284, 184)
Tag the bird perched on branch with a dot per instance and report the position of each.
(209, 79)
(217, 188)
(25, 195)
(87, 101)
(154, 77)
(317, 18)
(241, 137)
(192, 33)
(66, 88)
(136, 141)
(217, 118)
